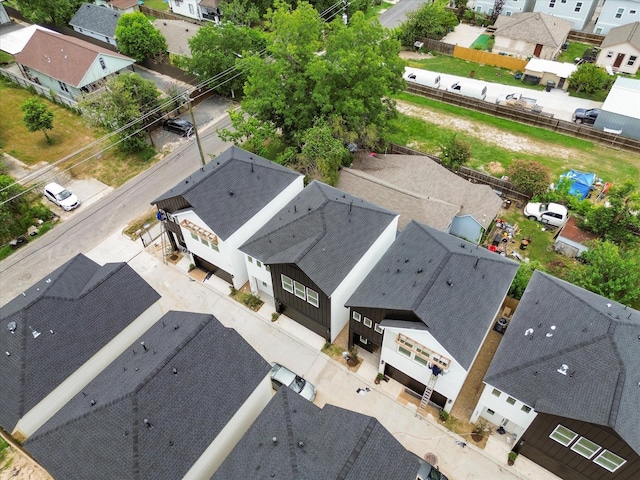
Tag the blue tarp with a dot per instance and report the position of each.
(580, 182)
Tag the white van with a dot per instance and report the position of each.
(422, 77)
(473, 90)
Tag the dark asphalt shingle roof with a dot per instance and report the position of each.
(323, 231)
(556, 324)
(77, 309)
(228, 191)
(215, 372)
(413, 274)
(96, 19)
(336, 444)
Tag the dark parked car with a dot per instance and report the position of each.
(178, 125)
(586, 116)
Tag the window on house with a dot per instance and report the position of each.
(191, 9)
(585, 447)
(102, 64)
(552, 3)
(632, 60)
(404, 351)
(496, 392)
(511, 401)
(300, 290)
(287, 283)
(420, 360)
(525, 409)
(378, 328)
(367, 322)
(619, 12)
(356, 316)
(204, 242)
(609, 54)
(632, 12)
(194, 236)
(258, 264)
(508, 14)
(479, 9)
(578, 7)
(363, 340)
(63, 86)
(417, 350)
(214, 246)
(563, 1)
(598, 31)
(264, 284)
(268, 268)
(563, 435)
(609, 460)
(490, 412)
(250, 259)
(312, 297)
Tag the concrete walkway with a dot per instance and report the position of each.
(287, 342)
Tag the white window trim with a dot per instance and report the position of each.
(577, 442)
(496, 393)
(603, 452)
(356, 316)
(284, 278)
(575, 435)
(378, 328)
(316, 301)
(367, 322)
(299, 290)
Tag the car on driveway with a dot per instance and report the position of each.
(61, 196)
(283, 376)
(178, 125)
(550, 213)
(585, 115)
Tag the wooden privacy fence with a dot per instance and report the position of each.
(166, 15)
(505, 188)
(585, 37)
(488, 58)
(436, 46)
(528, 117)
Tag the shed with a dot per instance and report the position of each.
(548, 70)
(570, 240)
(620, 109)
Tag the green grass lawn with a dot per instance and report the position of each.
(575, 50)
(463, 68)
(481, 42)
(611, 165)
(157, 4)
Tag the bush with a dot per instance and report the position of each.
(444, 416)
(455, 153)
(529, 177)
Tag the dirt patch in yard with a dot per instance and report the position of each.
(484, 132)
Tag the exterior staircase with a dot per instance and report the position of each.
(426, 396)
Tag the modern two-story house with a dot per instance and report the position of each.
(580, 12)
(67, 65)
(197, 9)
(507, 7)
(172, 405)
(216, 209)
(60, 333)
(565, 382)
(426, 308)
(616, 13)
(311, 256)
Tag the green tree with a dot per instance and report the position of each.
(11, 209)
(248, 132)
(461, 7)
(523, 275)
(58, 12)
(455, 153)
(432, 21)
(588, 78)
(609, 271)
(616, 220)
(122, 105)
(215, 49)
(242, 12)
(138, 38)
(37, 116)
(529, 176)
(321, 152)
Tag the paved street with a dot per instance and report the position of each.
(397, 14)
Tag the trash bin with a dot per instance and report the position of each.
(524, 243)
(550, 85)
(501, 325)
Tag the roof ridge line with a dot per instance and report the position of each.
(290, 440)
(357, 449)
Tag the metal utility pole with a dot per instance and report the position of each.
(195, 130)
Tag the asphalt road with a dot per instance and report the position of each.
(397, 14)
(88, 227)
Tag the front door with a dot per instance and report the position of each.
(618, 61)
(538, 50)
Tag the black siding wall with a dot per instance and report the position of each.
(316, 319)
(376, 315)
(536, 445)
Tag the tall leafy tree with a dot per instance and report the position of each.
(125, 101)
(215, 49)
(37, 116)
(588, 78)
(139, 39)
(432, 20)
(321, 152)
(11, 211)
(58, 12)
(609, 271)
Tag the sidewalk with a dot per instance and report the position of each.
(287, 342)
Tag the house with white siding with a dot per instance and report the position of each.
(616, 13)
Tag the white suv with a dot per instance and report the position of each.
(61, 196)
(550, 213)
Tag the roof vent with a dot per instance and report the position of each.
(406, 260)
(230, 193)
(93, 402)
(176, 326)
(147, 423)
(35, 333)
(528, 331)
(300, 444)
(274, 440)
(175, 371)
(419, 270)
(11, 326)
(563, 369)
(8, 354)
(450, 283)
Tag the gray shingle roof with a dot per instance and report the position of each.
(336, 444)
(96, 19)
(85, 306)
(534, 27)
(419, 189)
(228, 191)
(324, 231)
(215, 372)
(414, 275)
(596, 338)
(622, 34)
